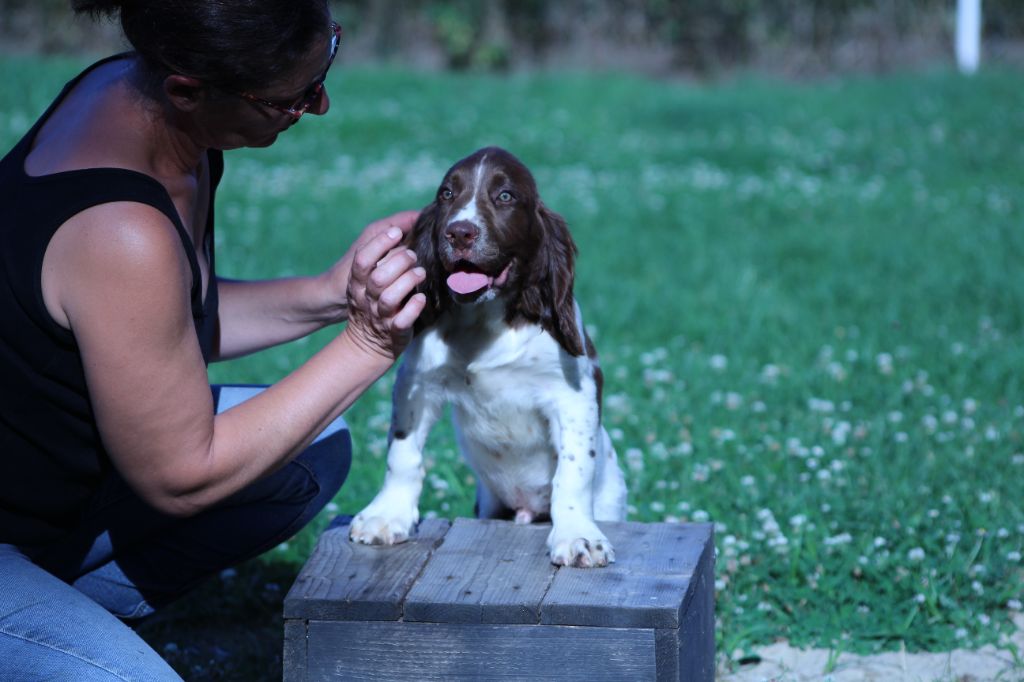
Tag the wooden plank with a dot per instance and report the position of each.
(648, 586)
(697, 631)
(485, 572)
(344, 580)
(435, 651)
(666, 645)
(294, 651)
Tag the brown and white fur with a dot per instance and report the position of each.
(502, 341)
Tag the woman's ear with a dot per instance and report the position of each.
(184, 92)
(547, 295)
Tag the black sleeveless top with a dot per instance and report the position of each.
(51, 457)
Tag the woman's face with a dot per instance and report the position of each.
(256, 117)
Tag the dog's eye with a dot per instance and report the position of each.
(505, 197)
(446, 194)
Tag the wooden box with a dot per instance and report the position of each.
(478, 600)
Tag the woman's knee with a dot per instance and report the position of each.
(328, 459)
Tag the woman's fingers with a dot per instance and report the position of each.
(404, 320)
(391, 299)
(389, 269)
(371, 253)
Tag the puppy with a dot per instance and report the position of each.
(502, 341)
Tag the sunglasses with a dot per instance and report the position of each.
(309, 98)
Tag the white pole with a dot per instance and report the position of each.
(968, 35)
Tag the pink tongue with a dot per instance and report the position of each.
(467, 282)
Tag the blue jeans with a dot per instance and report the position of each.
(61, 605)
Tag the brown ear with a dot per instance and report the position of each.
(421, 239)
(547, 292)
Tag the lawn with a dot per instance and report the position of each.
(808, 300)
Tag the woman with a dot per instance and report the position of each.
(121, 482)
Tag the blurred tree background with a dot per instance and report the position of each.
(698, 38)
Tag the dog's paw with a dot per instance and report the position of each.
(580, 550)
(372, 529)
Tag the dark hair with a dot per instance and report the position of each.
(239, 44)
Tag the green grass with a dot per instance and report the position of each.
(808, 301)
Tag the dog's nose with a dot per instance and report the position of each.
(461, 234)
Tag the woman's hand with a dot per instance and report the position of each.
(382, 307)
(337, 278)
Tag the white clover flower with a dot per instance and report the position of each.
(930, 423)
(986, 496)
(718, 362)
(970, 405)
(824, 475)
(960, 633)
(748, 481)
(1002, 533)
(879, 542)
(820, 405)
(798, 520)
(700, 473)
(701, 516)
(733, 401)
(841, 539)
(836, 371)
(635, 459)
(984, 618)
(1018, 458)
(916, 554)
(657, 507)
(920, 598)
(683, 506)
(657, 376)
(1013, 556)
(895, 417)
(900, 437)
(977, 588)
(764, 606)
(949, 417)
(884, 363)
(770, 373)
(1014, 605)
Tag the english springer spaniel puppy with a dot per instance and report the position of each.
(502, 341)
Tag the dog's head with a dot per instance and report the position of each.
(488, 235)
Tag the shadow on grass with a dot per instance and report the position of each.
(230, 628)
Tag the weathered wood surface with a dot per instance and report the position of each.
(647, 586)
(347, 581)
(485, 572)
(438, 651)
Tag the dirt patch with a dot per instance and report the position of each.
(783, 663)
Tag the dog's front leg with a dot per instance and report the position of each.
(393, 514)
(575, 540)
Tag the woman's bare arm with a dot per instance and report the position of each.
(118, 275)
(258, 314)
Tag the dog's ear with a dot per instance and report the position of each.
(547, 291)
(422, 240)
